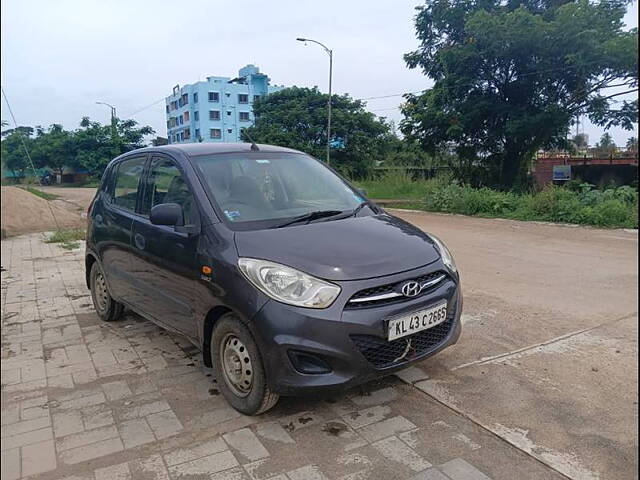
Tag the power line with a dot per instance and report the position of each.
(385, 109)
(524, 74)
(26, 151)
(392, 95)
(401, 94)
(144, 108)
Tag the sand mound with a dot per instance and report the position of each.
(24, 212)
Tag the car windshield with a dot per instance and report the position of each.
(261, 190)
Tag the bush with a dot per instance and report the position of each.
(578, 203)
(614, 213)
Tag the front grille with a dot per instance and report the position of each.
(390, 288)
(382, 353)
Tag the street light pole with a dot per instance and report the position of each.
(113, 120)
(330, 53)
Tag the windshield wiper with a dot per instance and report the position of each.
(358, 208)
(354, 212)
(309, 216)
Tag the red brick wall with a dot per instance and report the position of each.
(543, 166)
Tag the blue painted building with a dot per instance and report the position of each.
(215, 110)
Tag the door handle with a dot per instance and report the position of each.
(139, 240)
(98, 219)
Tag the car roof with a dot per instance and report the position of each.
(195, 149)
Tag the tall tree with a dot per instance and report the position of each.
(297, 118)
(90, 147)
(96, 145)
(580, 141)
(632, 144)
(54, 148)
(14, 156)
(606, 145)
(510, 75)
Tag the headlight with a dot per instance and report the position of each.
(445, 254)
(288, 285)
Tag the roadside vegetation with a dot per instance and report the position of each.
(88, 148)
(68, 239)
(579, 203)
(40, 193)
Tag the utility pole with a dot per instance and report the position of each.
(114, 133)
(330, 53)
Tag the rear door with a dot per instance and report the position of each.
(112, 225)
(167, 256)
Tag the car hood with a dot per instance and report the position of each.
(346, 249)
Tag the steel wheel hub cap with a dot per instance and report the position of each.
(236, 365)
(101, 293)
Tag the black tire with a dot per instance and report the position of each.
(106, 307)
(258, 398)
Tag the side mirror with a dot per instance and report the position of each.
(167, 214)
(362, 192)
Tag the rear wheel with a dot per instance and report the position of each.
(238, 367)
(106, 307)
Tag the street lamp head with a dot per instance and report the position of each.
(301, 39)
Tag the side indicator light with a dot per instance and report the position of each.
(207, 270)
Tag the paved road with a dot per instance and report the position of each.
(543, 383)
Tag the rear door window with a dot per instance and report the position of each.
(127, 182)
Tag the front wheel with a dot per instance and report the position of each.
(238, 367)
(106, 307)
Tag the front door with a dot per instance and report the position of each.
(166, 257)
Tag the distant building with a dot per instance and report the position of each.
(619, 167)
(215, 110)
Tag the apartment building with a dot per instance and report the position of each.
(215, 110)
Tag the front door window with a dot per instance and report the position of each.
(167, 185)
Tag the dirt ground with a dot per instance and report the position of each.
(24, 212)
(548, 355)
(547, 361)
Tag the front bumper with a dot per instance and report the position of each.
(352, 342)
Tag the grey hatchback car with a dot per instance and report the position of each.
(285, 276)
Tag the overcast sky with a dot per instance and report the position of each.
(60, 57)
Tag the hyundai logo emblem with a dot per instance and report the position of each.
(411, 289)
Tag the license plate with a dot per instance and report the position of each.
(417, 321)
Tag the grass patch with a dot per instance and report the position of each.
(396, 184)
(582, 204)
(40, 193)
(66, 236)
(93, 183)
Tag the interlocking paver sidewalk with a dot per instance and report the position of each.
(84, 399)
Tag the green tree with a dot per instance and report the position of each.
(96, 146)
(297, 118)
(54, 148)
(606, 145)
(632, 144)
(14, 157)
(580, 141)
(131, 136)
(90, 147)
(510, 75)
